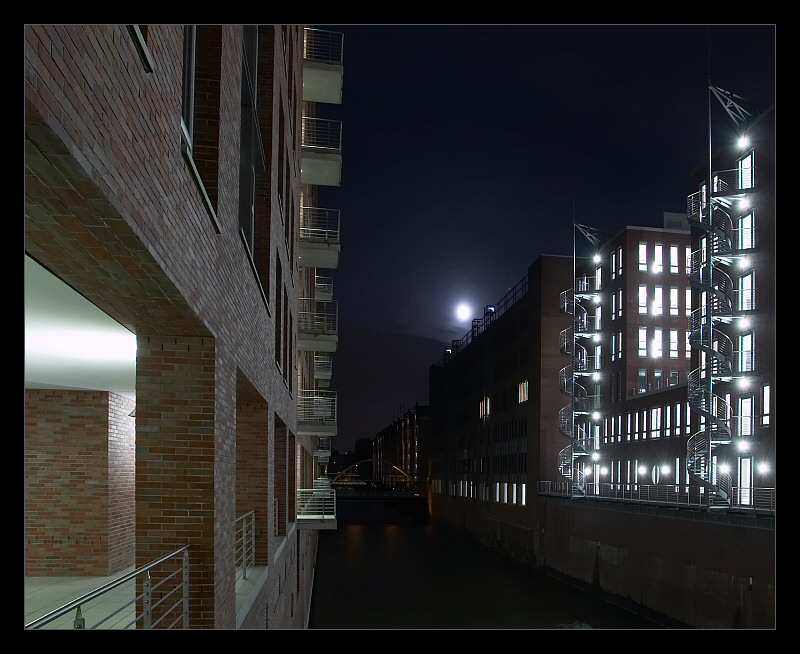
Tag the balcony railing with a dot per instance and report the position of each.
(323, 46)
(162, 604)
(316, 508)
(755, 500)
(245, 544)
(322, 66)
(318, 325)
(323, 367)
(316, 412)
(321, 134)
(319, 237)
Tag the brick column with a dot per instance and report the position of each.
(175, 460)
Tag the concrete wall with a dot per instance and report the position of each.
(691, 568)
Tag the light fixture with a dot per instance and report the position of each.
(743, 142)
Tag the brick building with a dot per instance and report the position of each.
(170, 181)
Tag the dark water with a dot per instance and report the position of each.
(387, 567)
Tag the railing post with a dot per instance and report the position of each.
(186, 589)
(79, 622)
(147, 602)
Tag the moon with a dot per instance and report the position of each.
(463, 312)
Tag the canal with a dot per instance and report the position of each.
(388, 567)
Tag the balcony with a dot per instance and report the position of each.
(316, 412)
(322, 66)
(318, 325)
(319, 237)
(323, 451)
(323, 369)
(316, 507)
(323, 288)
(321, 152)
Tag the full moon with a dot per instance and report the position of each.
(463, 312)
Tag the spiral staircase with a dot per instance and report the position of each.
(574, 418)
(717, 307)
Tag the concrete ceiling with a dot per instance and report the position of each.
(70, 343)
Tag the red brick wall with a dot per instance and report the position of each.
(78, 483)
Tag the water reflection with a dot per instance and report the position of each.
(389, 570)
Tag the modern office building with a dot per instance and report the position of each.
(627, 440)
(171, 176)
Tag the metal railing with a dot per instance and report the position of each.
(245, 544)
(757, 500)
(323, 46)
(316, 405)
(169, 611)
(321, 133)
(323, 364)
(316, 503)
(319, 224)
(319, 316)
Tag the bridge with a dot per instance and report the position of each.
(394, 482)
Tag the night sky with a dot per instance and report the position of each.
(467, 152)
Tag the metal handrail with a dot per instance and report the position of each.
(146, 596)
(316, 503)
(321, 133)
(316, 405)
(323, 45)
(319, 224)
(756, 500)
(245, 544)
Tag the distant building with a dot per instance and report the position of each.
(400, 457)
(600, 395)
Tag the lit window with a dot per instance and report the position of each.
(613, 265)
(657, 343)
(613, 347)
(765, 404)
(746, 232)
(523, 391)
(746, 353)
(643, 257)
(747, 292)
(643, 298)
(688, 302)
(658, 259)
(688, 261)
(658, 301)
(745, 169)
(619, 262)
(598, 279)
(642, 341)
(619, 303)
(619, 345)
(688, 345)
(673, 343)
(673, 301)
(673, 258)
(745, 410)
(655, 422)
